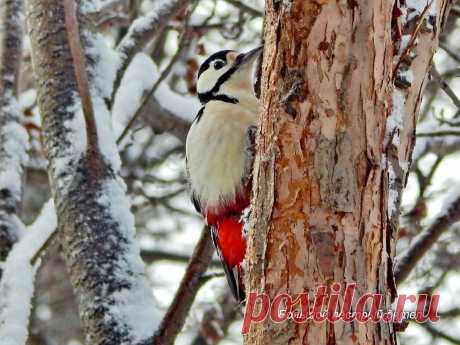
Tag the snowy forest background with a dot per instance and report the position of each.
(153, 105)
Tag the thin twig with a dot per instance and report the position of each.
(152, 255)
(439, 334)
(155, 86)
(418, 248)
(445, 86)
(79, 62)
(414, 35)
(174, 318)
(246, 8)
(217, 319)
(164, 120)
(450, 52)
(445, 133)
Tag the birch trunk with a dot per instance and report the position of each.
(96, 227)
(341, 87)
(13, 137)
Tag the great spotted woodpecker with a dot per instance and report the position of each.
(219, 154)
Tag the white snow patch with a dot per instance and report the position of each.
(392, 193)
(139, 78)
(392, 133)
(27, 98)
(136, 307)
(76, 135)
(17, 284)
(134, 84)
(15, 143)
(106, 138)
(416, 8)
(145, 23)
(104, 71)
(395, 120)
(407, 76)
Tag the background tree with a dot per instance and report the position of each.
(140, 59)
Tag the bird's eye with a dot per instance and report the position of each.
(219, 64)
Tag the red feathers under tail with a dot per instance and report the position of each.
(227, 236)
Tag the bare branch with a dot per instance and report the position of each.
(175, 317)
(444, 133)
(445, 87)
(449, 51)
(79, 62)
(217, 319)
(436, 333)
(152, 255)
(246, 8)
(162, 120)
(418, 248)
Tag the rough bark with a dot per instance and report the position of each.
(96, 228)
(334, 147)
(13, 138)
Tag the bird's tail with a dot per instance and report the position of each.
(230, 244)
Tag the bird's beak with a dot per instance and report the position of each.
(250, 56)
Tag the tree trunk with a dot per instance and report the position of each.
(341, 86)
(96, 227)
(13, 137)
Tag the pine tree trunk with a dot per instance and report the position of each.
(335, 141)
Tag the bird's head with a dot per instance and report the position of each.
(226, 75)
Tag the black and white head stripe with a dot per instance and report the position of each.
(222, 55)
(213, 93)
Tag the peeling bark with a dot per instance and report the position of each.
(334, 146)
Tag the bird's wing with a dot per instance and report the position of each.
(250, 151)
(193, 196)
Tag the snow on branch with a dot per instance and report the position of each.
(13, 137)
(142, 32)
(142, 75)
(17, 284)
(417, 26)
(97, 230)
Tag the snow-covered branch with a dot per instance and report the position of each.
(165, 110)
(142, 31)
(97, 231)
(417, 26)
(162, 120)
(13, 137)
(16, 290)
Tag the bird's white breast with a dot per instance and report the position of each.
(216, 152)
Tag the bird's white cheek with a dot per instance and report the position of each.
(206, 82)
